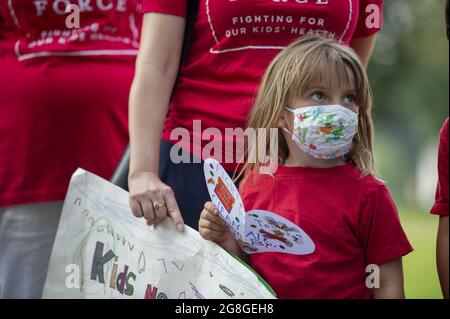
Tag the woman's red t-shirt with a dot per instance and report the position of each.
(63, 93)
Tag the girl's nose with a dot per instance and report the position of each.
(336, 100)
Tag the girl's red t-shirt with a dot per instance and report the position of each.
(351, 219)
(63, 93)
(232, 44)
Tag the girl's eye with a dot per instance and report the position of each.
(318, 95)
(350, 99)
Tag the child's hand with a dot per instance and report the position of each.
(212, 227)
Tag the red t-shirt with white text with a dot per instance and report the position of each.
(63, 93)
(351, 219)
(440, 206)
(233, 43)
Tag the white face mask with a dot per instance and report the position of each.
(324, 131)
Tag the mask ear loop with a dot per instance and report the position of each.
(285, 129)
(281, 160)
(289, 109)
(349, 157)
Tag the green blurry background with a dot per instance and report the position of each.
(409, 77)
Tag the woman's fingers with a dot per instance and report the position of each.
(147, 197)
(136, 208)
(147, 209)
(172, 209)
(159, 206)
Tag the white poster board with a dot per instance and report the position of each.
(102, 251)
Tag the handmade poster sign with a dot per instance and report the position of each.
(102, 251)
(257, 230)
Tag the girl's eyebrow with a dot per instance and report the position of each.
(317, 87)
(356, 93)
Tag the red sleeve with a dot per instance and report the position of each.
(173, 7)
(440, 206)
(370, 18)
(380, 230)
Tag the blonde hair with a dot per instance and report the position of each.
(289, 75)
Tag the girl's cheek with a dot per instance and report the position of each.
(354, 108)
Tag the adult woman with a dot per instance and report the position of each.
(232, 44)
(63, 105)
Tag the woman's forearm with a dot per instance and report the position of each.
(149, 99)
(156, 70)
(364, 48)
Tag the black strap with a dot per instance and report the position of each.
(191, 17)
(120, 176)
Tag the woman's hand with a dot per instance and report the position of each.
(152, 199)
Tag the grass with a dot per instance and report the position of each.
(421, 279)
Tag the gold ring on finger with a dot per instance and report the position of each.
(157, 205)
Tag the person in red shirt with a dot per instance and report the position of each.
(440, 208)
(232, 44)
(63, 105)
(325, 181)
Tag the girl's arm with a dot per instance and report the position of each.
(364, 48)
(442, 254)
(232, 245)
(391, 281)
(156, 70)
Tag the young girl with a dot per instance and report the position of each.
(317, 93)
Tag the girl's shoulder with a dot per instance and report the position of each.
(371, 181)
(369, 188)
(253, 179)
